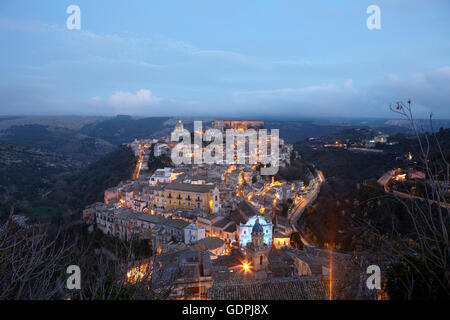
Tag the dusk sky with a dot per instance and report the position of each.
(228, 58)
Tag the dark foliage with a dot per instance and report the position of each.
(411, 270)
(349, 167)
(89, 185)
(160, 162)
(82, 148)
(298, 170)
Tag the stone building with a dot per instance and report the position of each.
(205, 197)
(193, 233)
(194, 276)
(237, 124)
(165, 175)
(245, 230)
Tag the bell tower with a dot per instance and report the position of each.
(179, 125)
(257, 250)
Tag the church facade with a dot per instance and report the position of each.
(245, 231)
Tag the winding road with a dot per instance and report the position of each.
(137, 169)
(299, 208)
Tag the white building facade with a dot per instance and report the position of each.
(245, 231)
(193, 233)
(162, 176)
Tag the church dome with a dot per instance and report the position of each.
(257, 227)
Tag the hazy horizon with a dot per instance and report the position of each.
(330, 120)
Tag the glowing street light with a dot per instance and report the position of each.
(246, 266)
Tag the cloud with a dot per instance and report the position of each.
(127, 102)
(96, 99)
(430, 91)
(127, 99)
(324, 99)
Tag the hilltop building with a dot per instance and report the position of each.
(179, 126)
(237, 124)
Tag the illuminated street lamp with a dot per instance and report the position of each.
(246, 266)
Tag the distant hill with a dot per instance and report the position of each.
(293, 131)
(423, 123)
(124, 129)
(348, 167)
(6, 118)
(65, 141)
(68, 122)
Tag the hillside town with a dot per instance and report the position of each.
(242, 151)
(224, 218)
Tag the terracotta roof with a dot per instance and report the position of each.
(231, 228)
(247, 209)
(271, 289)
(221, 223)
(200, 188)
(279, 234)
(237, 218)
(208, 243)
(151, 218)
(176, 223)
